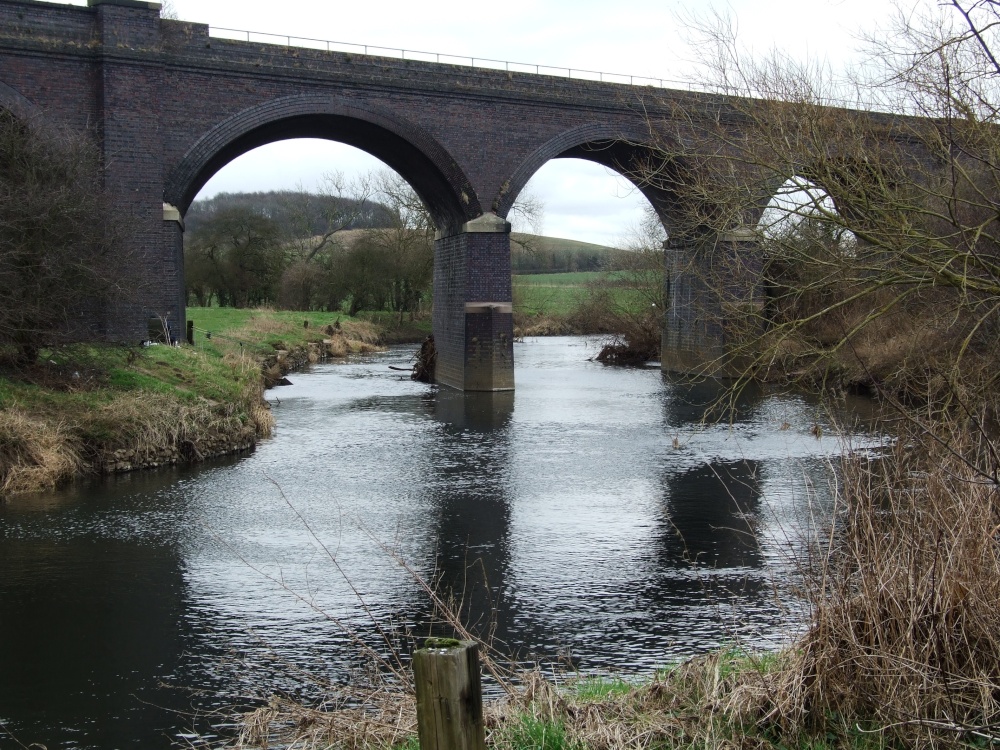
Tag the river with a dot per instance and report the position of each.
(591, 520)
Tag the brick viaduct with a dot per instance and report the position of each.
(171, 106)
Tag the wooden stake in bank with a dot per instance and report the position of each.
(449, 695)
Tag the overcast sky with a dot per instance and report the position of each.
(640, 37)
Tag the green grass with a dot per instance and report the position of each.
(548, 301)
(104, 371)
(598, 688)
(529, 732)
(561, 294)
(551, 294)
(260, 331)
(577, 278)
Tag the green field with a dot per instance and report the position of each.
(281, 323)
(261, 330)
(551, 294)
(578, 279)
(560, 294)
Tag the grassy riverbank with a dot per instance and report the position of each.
(93, 409)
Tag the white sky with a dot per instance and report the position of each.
(643, 37)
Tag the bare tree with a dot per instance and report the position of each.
(62, 248)
(168, 11)
(901, 211)
(407, 246)
(338, 204)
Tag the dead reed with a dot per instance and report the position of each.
(35, 454)
(905, 632)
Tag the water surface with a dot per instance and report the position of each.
(590, 518)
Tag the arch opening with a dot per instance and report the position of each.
(811, 272)
(597, 267)
(309, 225)
(802, 232)
(797, 203)
(625, 157)
(432, 173)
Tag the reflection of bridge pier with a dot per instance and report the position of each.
(711, 514)
(710, 511)
(470, 511)
(693, 401)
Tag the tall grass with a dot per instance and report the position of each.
(35, 453)
(905, 630)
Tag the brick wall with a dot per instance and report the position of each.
(449, 309)
(173, 105)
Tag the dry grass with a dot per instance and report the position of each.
(35, 454)
(138, 411)
(260, 324)
(353, 338)
(244, 368)
(905, 632)
(361, 330)
(388, 720)
(347, 337)
(903, 351)
(527, 327)
(687, 707)
(152, 426)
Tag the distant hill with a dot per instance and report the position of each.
(297, 213)
(300, 214)
(532, 253)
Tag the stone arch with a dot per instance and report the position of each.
(406, 148)
(622, 151)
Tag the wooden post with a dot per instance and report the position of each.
(190, 332)
(449, 695)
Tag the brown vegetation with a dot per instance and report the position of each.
(905, 632)
(35, 454)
